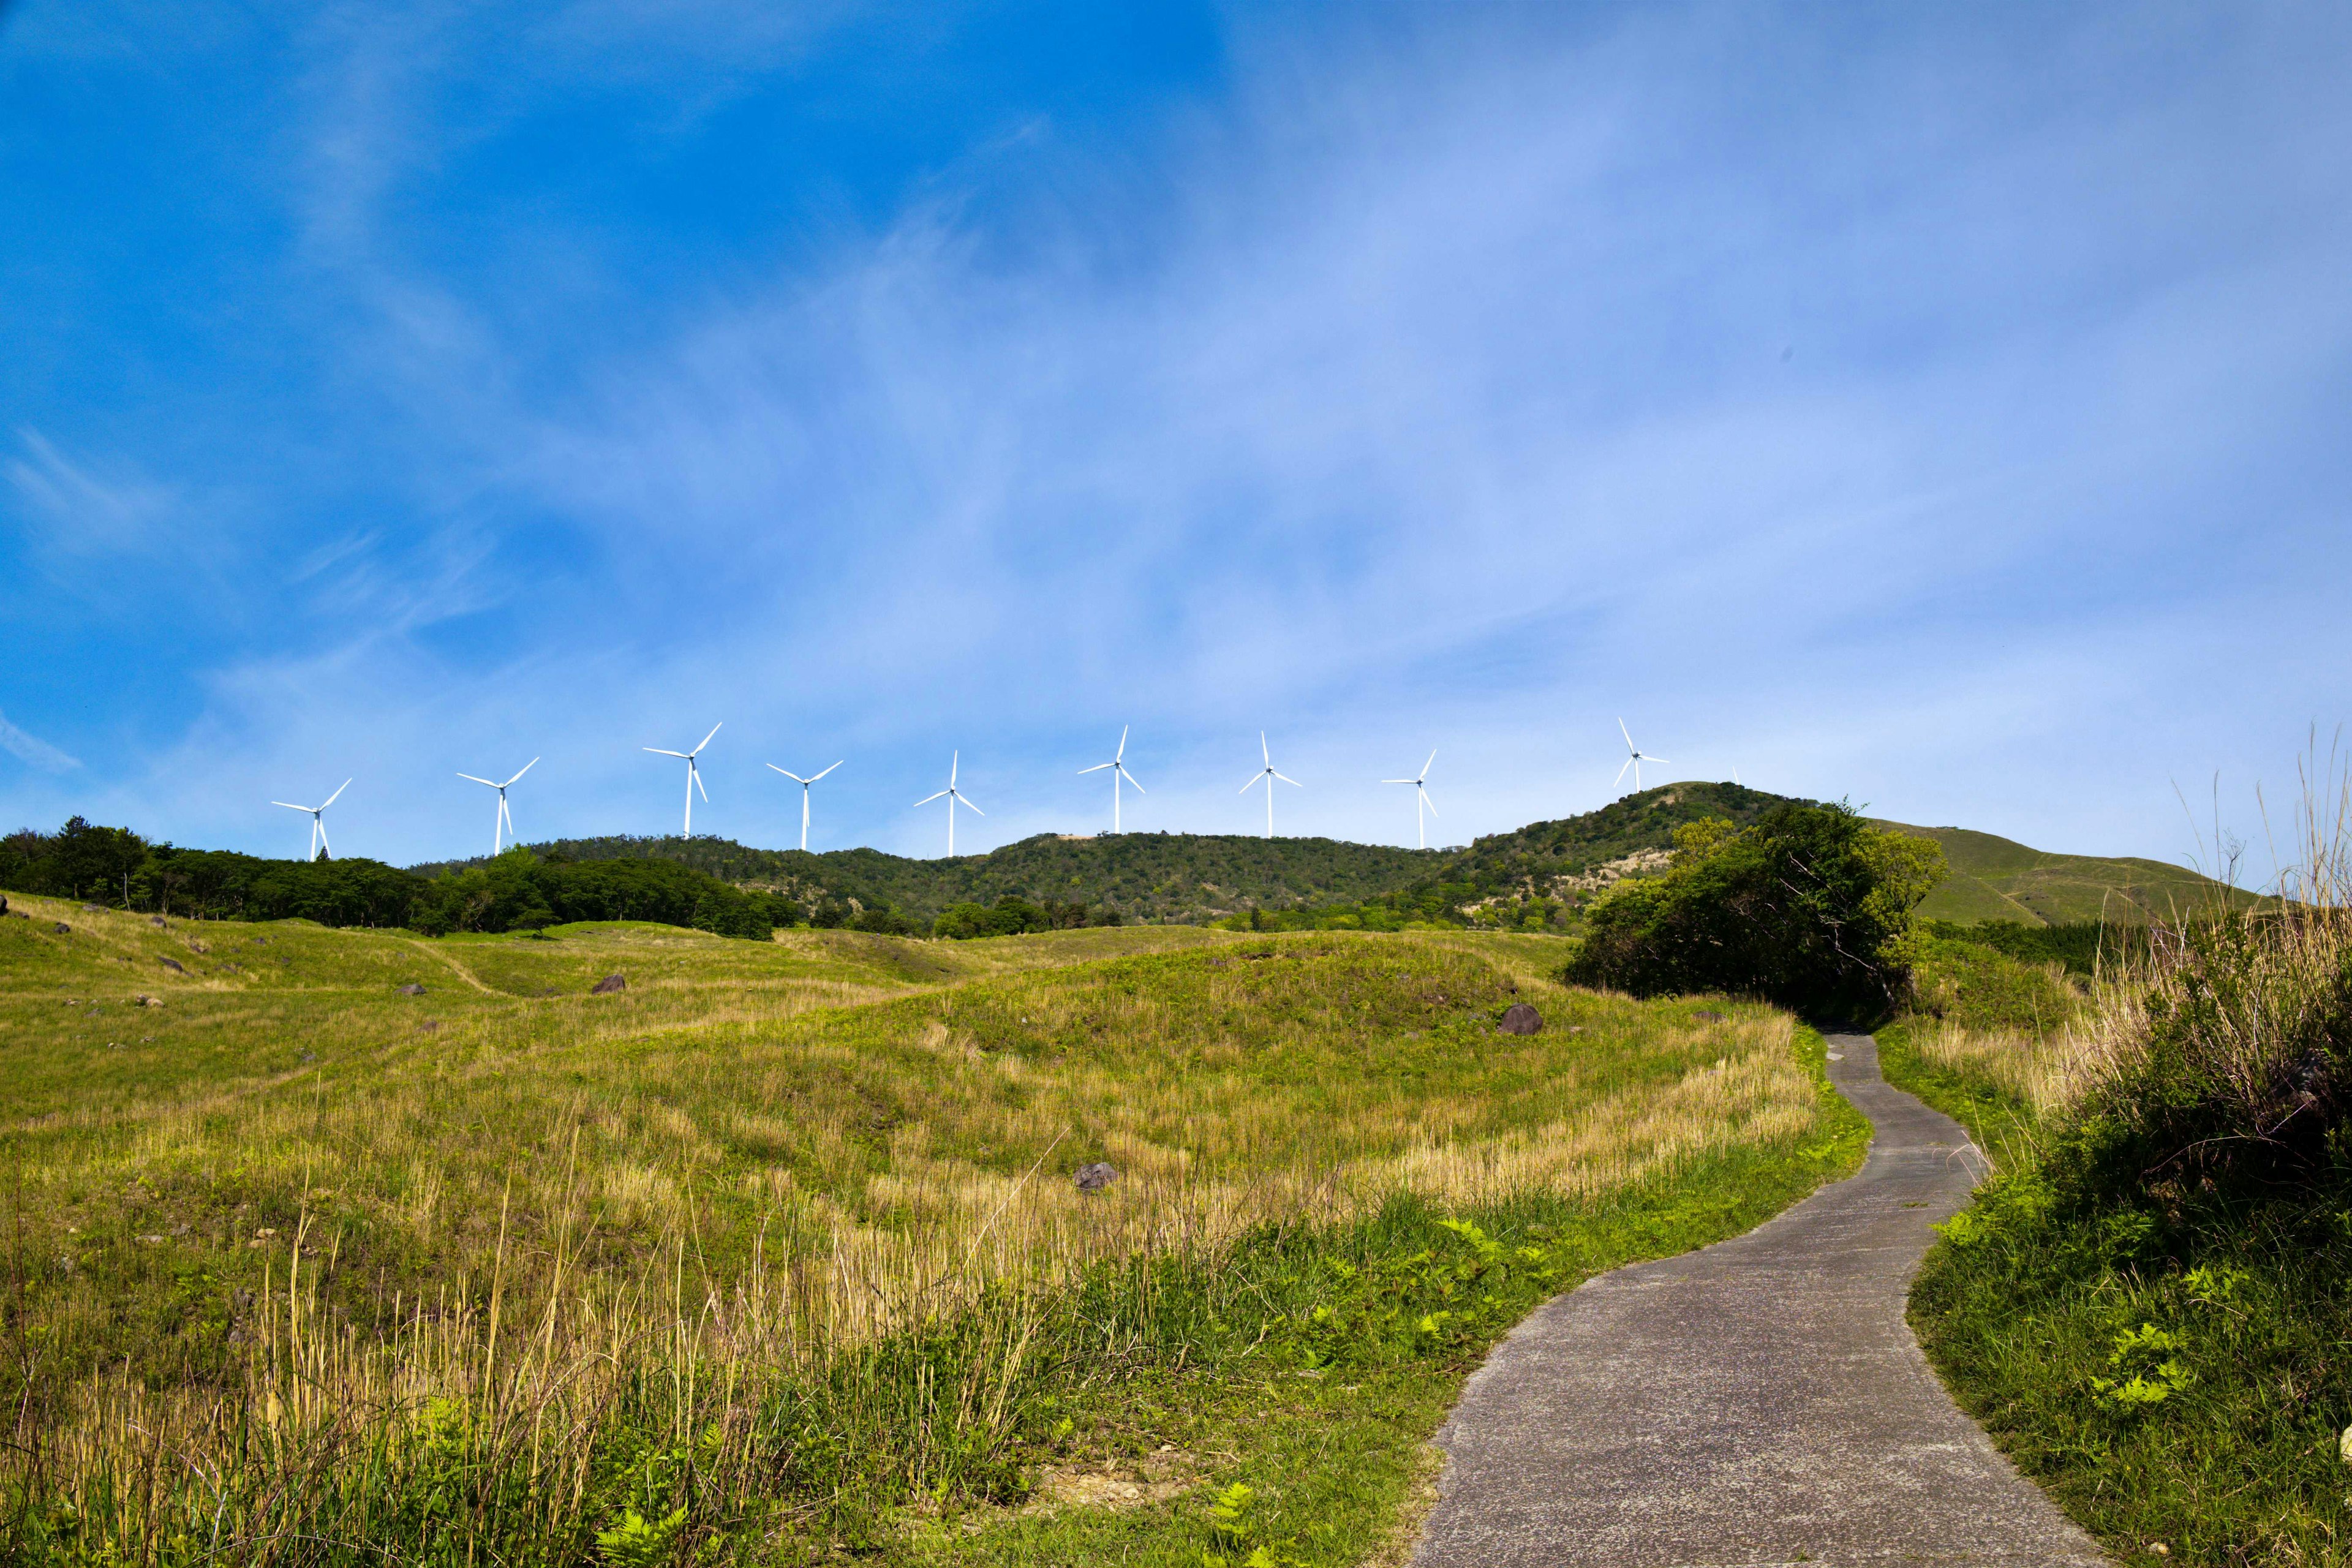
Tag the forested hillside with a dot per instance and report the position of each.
(1534, 877)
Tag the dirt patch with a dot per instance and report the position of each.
(1155, 1477)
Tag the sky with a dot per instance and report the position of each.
(1941, 408)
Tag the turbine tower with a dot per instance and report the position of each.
(1117, 766)
(804, 783)
(318, 819)
(954, 799)
(506, 819)
(1421, 801)
(693, 774)
(1634, 758)
(1266, 775)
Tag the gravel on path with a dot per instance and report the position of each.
(1760, 1401)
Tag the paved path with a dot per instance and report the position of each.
(1761, 1402)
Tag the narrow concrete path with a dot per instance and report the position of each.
(1761, 1402)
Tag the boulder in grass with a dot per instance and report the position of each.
(607, 986)
(1707, 1015)
(174, 965)
(1094, 1178)
(411, 989)
(1519, 1018)
(62, 929)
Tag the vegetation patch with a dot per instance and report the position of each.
(776, 1254)
(2145, 1306)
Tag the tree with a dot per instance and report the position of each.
(1809, 908)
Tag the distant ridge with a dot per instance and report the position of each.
(1184, 877)
(1996, 878)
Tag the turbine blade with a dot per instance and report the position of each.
(705, 740)
(476, 780)
(661, 750)
(1262, 750)
(519, 771)
(1401, 781)
(1130, 778)
(1621, 773)
(1253, 779)
(955, 761)
(826, 771)
(789, 773)
(289, 806)
(1287, 778)
(1429, 803)
(1427, 765)
(695, 775)
(961, 801)
(1628, 734)
(1123, 742)
(927, 800)
(332, 799)
(1096, 769)
(1647, 758)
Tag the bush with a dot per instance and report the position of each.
(1013, 916)
(1810, 909)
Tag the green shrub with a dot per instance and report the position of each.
(1811, 907)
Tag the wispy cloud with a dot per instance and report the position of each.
(1824, 398)
(80, 510)
(32, 751)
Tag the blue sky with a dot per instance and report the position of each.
(1941, 407)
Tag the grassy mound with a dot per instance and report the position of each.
(775, 1254)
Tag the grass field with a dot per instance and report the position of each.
(775, 1255)
(1996, 878)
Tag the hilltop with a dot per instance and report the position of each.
(1996, 878)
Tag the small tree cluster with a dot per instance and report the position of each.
(1809, 908)
(1014, 916)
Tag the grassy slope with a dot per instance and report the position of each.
(2026, 1316)
(884, 1110)
(1996, 878)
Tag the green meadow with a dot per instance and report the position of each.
(776, 1254)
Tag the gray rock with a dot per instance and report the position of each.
(61, 927)
(607, 986)
(1521, 1019)
(174, 965)
(1094, 1178)
(1707, 1015)
(154, 920)
(411, 989)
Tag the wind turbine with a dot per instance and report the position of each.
(693, 774)
(804, 783)
(1117, 766)
(954, 799)
(1266, 775)
(318, 819)
(1634, 758)
(1421, 800)
(506, 819)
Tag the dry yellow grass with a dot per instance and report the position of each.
(757, 1159)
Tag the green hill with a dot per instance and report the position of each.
(1152, 877)
(1996, 878)
(1182, 877)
